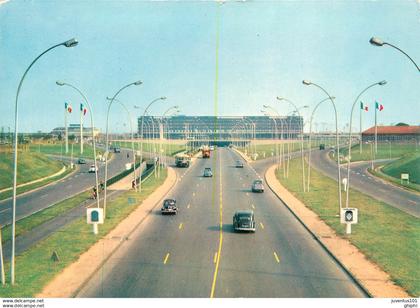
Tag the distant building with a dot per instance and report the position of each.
(393, 133)
(221, 128)
(74, 130)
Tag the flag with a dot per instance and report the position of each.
(83, 109)
(380, 107)
(364, 107)
(68, 107)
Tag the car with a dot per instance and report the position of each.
(207, 172)
(211, 148)
(244, 220)
(92, 169)
(257, 186)
(169, 207)
(81, 161)
(117, 150)
(239, 164)
(322, 146)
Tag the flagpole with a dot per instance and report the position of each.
(81, 128)
(376, 128)
(360, 145)
(65, 128)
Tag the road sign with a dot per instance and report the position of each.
(344, 182)
(405, 177)
(95, 215)
(349, 216)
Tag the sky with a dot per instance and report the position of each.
(265, 49)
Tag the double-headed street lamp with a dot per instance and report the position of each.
(375, 41)
(337, 144)
(130, 121)
(136, 83)
(278, 151)
(380, 83)
(70, 43)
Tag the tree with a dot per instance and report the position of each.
(401, 124)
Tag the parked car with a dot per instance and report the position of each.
(92, 169)
(239, 164)
(322, 146)
(81, 161)
(117, 150)
(257, 186)
(169, 207)
(244, 220)
(207, 172)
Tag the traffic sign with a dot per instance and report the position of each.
(95, 215)
(349, 216)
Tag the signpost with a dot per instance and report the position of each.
(349, 216)
(405, 177)
(94, 217)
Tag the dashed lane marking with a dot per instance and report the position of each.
(253, 206)
(215, 257)
(276, 257)
(261, 224)
(188, 206)
(166, 258)
(180, 226)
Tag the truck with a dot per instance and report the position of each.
(182, 160)
(205, 152)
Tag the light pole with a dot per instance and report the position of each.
(308, 83)
(375, 41)
(380, 83)
(310, 137)
(130, 121)
(70, 43)
(301, 137)
(141, 133)
(276, 134)
(136, 83)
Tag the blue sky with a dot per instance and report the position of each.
(266, 49)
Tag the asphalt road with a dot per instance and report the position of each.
(363, 181)
(79, 181)
(197, 254)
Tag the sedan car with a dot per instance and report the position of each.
(92, 169)
(257, 186)
(239, 164)
(81, 161)
(169, 207)
(244, 220)
(207, 172)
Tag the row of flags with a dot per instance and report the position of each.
(365, 107)
(69, 109)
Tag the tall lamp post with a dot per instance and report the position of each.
(337, 143)
(136, 83)
(130, 121)
(278, 152)
(301, 136)
(375, 41)
(310, 138)
(70, 43)
(380, 83)
(141, 133)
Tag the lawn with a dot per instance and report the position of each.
(385, 151)
(31, 166)
(169, 149)
(34, 268)
(269, 150)
(386, 235)
(59, 149)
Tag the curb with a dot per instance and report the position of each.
(316, 238)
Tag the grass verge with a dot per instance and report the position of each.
(169, 149)
(386, 235)
(34, 268)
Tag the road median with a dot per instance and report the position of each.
(376, 281)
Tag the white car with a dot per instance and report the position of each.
(92, 169)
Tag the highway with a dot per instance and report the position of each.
(363, 181)
(31, 202)
(197, 254)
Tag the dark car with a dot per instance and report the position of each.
(244, 221)
(322, 146)
(81, 161)
(239, 164)
(117, 150)
(169, 207)
(257, 186)
(207, 172)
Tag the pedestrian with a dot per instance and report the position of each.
(95, 193)
(128, 155)
(133, 184)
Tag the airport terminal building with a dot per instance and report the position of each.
(220, 128)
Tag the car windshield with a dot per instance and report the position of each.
(207, 169)
(244, 216)
(257, 182)
(168, 203)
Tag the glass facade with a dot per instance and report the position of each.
(220, 128)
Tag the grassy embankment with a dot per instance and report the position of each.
(59, 149)
(31, 166)
(386, 235)
(169, 149)
(34, 268)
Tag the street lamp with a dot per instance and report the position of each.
(337, 144)
(141, 133)
(380, 83)
(375, 41)
(136, 83)
(310, 137)
(278, 152)
(301, 137)
(69, 43)
(130, 120)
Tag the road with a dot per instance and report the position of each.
(79, 181)
(197, 254)
(363, 181)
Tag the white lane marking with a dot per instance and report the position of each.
(43, 196)
(4, 210)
